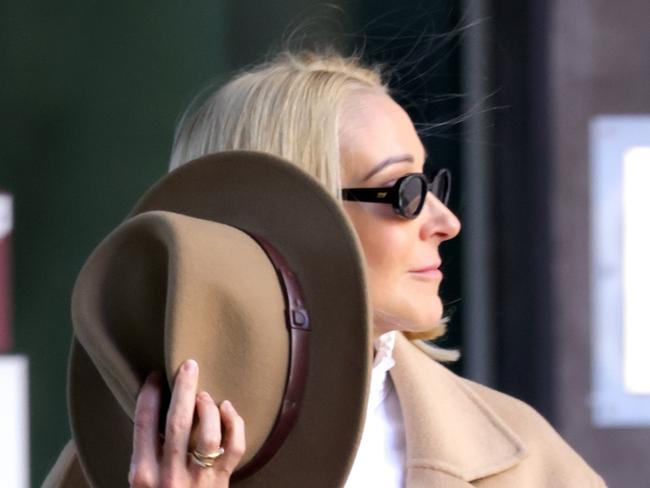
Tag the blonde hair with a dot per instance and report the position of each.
(290, 107)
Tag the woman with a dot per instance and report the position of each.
(425, 426)
(334, 118)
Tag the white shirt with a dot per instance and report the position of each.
(381, 457)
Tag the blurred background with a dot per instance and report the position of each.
(514, 97)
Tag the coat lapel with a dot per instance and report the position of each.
(453, 436)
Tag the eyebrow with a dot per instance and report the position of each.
(404, 158)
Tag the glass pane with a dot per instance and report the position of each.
(636, 269)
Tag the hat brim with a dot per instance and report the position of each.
(267, 196)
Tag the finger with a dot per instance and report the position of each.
(209, 430)
(180, 415)
(233, 438)
(144, 460)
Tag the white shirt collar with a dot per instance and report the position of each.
(383, 362)
(381, 458)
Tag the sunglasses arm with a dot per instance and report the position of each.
(376, 195)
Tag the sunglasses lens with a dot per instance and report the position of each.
(441, 185)
(411, 196)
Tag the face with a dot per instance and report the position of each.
(379, 144)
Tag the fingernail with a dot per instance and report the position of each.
(227, 405)
(204, 396)
(190, 365)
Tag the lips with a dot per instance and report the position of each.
(428, 273)
(427, 269)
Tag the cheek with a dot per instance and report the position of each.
(386, 243)
(390, 248)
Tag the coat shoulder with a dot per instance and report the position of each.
(511, 409)
(549, 457)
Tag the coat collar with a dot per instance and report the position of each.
(449, 428)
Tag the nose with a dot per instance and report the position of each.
(438, 221)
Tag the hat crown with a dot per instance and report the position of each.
(165, 287)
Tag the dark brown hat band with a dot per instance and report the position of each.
(297, 320)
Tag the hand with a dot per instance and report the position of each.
(165, 464)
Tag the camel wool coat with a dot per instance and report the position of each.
(459, 434)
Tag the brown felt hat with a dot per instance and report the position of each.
(245, 263)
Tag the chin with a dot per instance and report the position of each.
(426, 312)
(413, 317)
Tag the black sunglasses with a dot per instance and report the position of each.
(408, 194)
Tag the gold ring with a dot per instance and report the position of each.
(206, 460)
